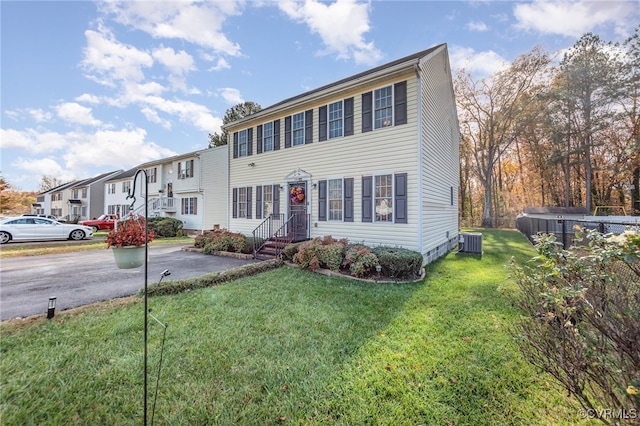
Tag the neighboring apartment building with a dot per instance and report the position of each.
(373, 158)
(191, 187)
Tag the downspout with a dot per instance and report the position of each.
(416, 68)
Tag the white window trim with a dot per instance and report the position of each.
(341, 102)
(262, 142)
(294, 130)
(246, 143)
(373, 106)
(393, 197)
(341, 179)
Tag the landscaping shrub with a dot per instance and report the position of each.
(220, 240)
(325, 252)
(165, 226)
(360, 260)
(178, 286)
(581, 319)
(398, 263)
(290, 251)
(249, 244)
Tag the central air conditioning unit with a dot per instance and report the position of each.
(470, 242)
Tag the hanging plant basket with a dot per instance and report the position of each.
(128, 257)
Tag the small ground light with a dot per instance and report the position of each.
(51, 308)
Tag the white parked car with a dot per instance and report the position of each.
(29, 228)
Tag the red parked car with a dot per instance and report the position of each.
(106, 221)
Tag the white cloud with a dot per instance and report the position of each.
(231, 96)
(199, 23)
(341, 25)
(31, 140)
(40, 115)
(87, 99)
(106, 59)
(574, 18)
(177, 63)
(480, 64)
(220, 65)
(188, 112)
(477, 26)
(107, 148)
(75, 113)
(43, 166)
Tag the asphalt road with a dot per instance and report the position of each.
(84, 277)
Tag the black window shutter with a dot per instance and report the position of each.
(308, 126)
(276, 135)
(195, 206)
(193, 171)
(322, 123)
(367, 112)
(276, 199)
(258, 202)
(348, 199)
(348, 117)
(400, 201)
(182, 206)
(400, 102)
(367, 198)
(235, 203)
(249, 202)
(259, 139)
(322, 200)
(250, 141)
(235, 144)
(287, 132)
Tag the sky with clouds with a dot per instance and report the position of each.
(90, 87)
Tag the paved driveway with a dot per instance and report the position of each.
(80, 278)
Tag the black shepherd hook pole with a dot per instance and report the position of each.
(146, 269)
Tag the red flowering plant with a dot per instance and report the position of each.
(297, 195)
(129, 232)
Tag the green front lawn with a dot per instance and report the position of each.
(291, 347)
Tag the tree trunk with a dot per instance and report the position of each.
(487, 214)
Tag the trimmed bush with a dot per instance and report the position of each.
(290, 251)
(399, 263)
(221, 240)
(248, 244)
(359, 259)
(165, 226)
(325, 252)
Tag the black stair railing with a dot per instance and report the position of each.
(264, 231)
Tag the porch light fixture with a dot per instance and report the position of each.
(252, 164)
(314, 185)
(51, 308)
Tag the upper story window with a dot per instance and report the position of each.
(151, 175)
(298, 129)
(335, 119)
(126, 186)
(383, 107)
(84, 192)
(74, 193)
(267, 136)
(185, 169)
(111, 188)
(242, 143)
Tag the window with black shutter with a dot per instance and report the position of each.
(367, 112)
(322, 123)
(322, 200)
(367, 198)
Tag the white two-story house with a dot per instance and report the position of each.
(191, 187)
(373, 158)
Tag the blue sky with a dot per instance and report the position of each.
(89, 87)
